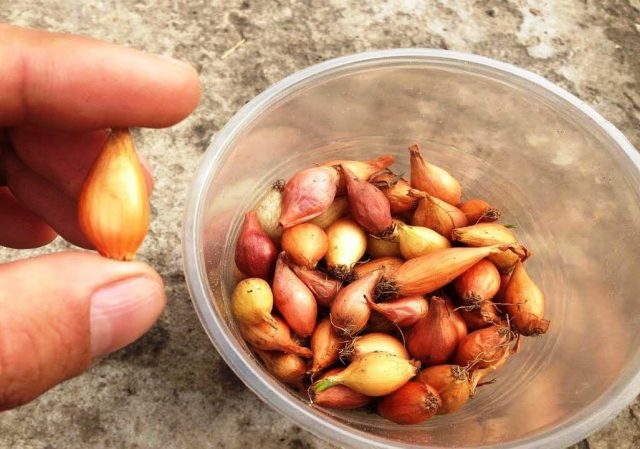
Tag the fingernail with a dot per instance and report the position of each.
(122, 311)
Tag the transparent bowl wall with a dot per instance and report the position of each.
(562, 175)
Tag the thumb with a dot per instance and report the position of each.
(60, 311)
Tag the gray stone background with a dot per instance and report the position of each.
(171, 389)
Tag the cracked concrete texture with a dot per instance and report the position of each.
(171, 389)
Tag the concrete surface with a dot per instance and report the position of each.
(171, 389)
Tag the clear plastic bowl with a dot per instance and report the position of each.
(562, 174)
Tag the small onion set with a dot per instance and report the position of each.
(361, 288)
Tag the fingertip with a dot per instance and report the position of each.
(182, 84)
(122, 311)
(60, 311)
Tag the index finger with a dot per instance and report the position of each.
(77, 83)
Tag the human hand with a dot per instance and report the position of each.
(58, 94)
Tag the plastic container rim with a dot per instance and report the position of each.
(194, 266)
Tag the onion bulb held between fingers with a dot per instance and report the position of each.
(113, 207)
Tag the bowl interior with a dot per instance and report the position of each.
(557, 175)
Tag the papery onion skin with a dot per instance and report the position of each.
(432, 179)
(325, 345)
(525, 303)
(483, 347)
(339, 397)
(324, 287)
(255, 251)
(484, 317)
(479, 283)
(388, 265)
(113, 206)
(403, 312)
(252, 301)
(307, 195)
(436, 214)
(378, 323)
(412, 403)
(288, 368)
(305, 243)
(396, 189)
(375, 341)
(368, 205)
(338, 209)
(374, 374)
(350, 311)
(388, 246)
(452, 383)
(347, 245)
(504, 281)
(426, 274)
(456, 317)
(269, 209)
(434, 338)
(293, 299)
(362, 169)
(487, 234)
(479, 211)
(416, 241)
(269, 338)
